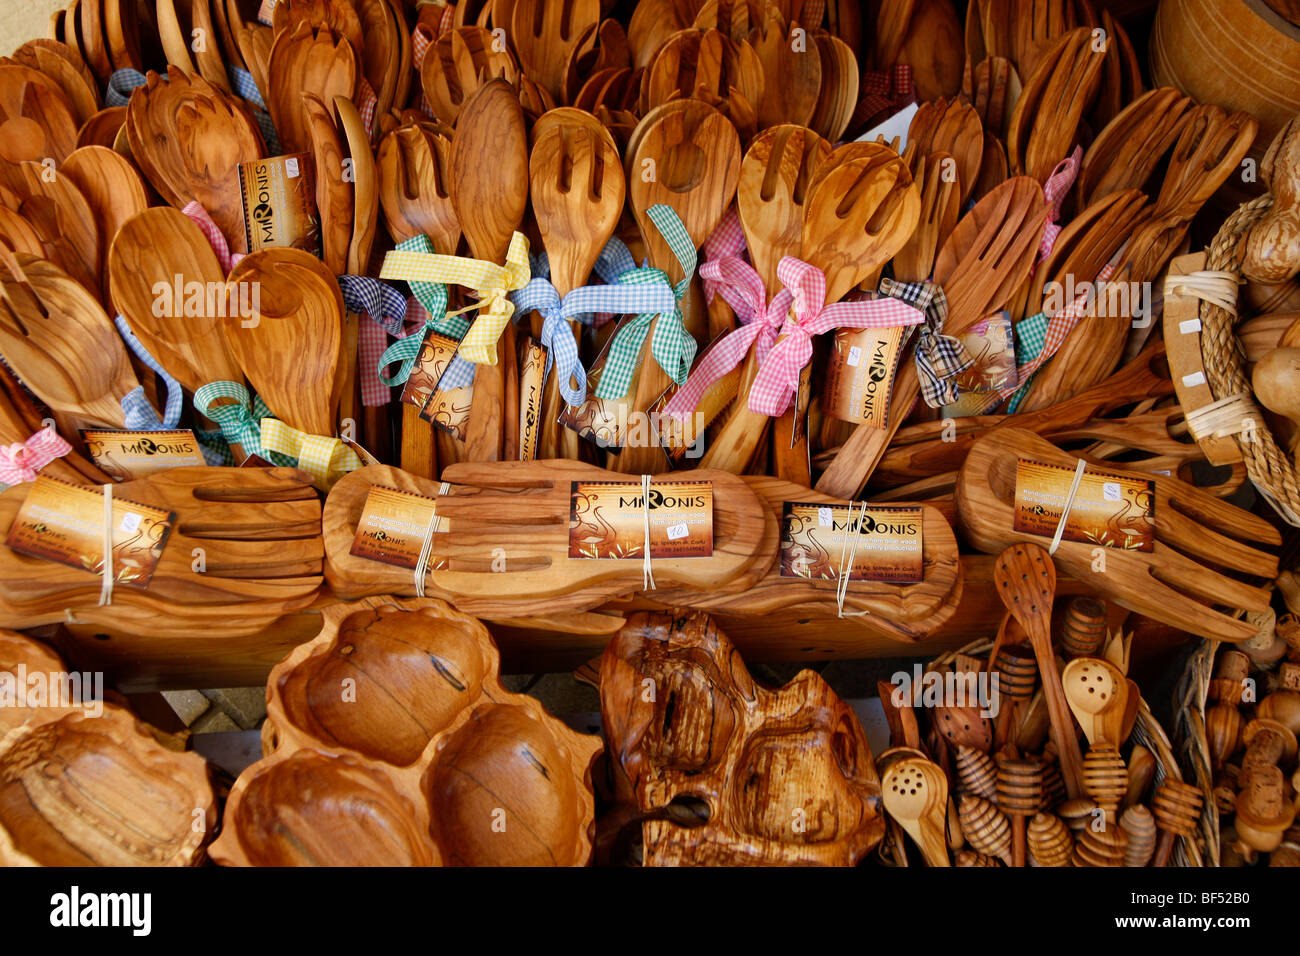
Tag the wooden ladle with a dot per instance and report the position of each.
(1026, 583)
(290, 352)
(915, 793)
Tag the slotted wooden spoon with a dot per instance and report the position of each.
(915, 793)
(1098, 694)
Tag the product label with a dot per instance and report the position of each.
(532, 382)
(603, 422)
(1108, 510)
(607, 519)
(64, 523)
(393, 526)
(818, 541)
(448, 410)
(126, 455)
(279, 196)
(860, 374)
(992, 344)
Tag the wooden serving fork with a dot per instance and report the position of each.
(1179, 583)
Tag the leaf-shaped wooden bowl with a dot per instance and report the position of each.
(397, 705)
(189, 138)
(100, 791)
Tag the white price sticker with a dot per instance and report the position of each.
(1110, 491)
(825, 517)
(131, 523)
(678, 531)
(855, 356)
(291, 168)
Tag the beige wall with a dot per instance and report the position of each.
(22, 20)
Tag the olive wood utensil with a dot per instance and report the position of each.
(188, 138)
(334, 190)
(792, 73)
(59, 214)
(980, 266)
(58, 62)
(838, 96)
(365, 190)
(1128, 150)
(1044, 126)
(318, 61)
(163, 245)
(414, 167)
(461, 62)
(291, 353)
(915, 793)
(544, 35)
(953, 128)
(112, 188)
(940, 207)
(1196, 535)
(1026, 581)
(1098, 694)
(57, 339)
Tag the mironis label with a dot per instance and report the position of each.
(392, 528)
(532, 385)
(860, 374)
(127, 455)
(1109, 510)
(607, 519)
(817, 541)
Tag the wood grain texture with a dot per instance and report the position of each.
(317, 61)
(709, 726)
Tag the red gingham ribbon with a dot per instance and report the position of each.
(200, 217)
(367, 103)
(778, 377)
(882, 90)
(1058, 327)
(742, 288)
(22, 460)
(1055, 190)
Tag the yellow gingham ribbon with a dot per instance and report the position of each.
(325, 459)
(491, 283)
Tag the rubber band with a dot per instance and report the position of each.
(1069, 503)
(426, 546)
(106, 579)
(647, 572)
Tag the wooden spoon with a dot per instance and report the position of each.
(163, 245)
(365, 189)
(915, 793)
(291, 354)
(57, 339)
(1098, 695)
(1026, 583)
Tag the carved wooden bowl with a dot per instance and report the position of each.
(778, 777)
(396, 744)
(17, 651)
(100, 791)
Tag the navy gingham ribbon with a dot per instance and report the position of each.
(139, 414)
(939, 358)
(246, 88)
(388, 309)
(120, 85)
(581, 305)
(672, 347)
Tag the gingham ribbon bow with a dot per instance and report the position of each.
(23, 459)
(387, 310)
(238, 417)
(726, 242)
(742, 288)
(939, 358)
(201, 218)
(882, 90)
(671, 345)
(778, 376)
(325, 459)
(490, 282)
(581, 305)
(120, 85)
(137, 413)
(1055, 190)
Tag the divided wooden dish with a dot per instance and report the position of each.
(394, 743)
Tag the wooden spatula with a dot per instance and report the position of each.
(1178, 583)
(290, 354)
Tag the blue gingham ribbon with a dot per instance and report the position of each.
(139, 414)
(672, 347)
(581, 305)
(246, 88)
(940, 358)
(120, 85)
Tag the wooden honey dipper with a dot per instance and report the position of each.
(977, 774)
(1105, 778)
(1177, 808)
(1140, 826)
(987, 830)
(1017, 675)
(1020, 796)
(1050, 842)
(1105, 847)
(1083, 629)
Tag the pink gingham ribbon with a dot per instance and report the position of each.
(1058, 327)
(742, 288)
(726, 242)
(778, 376)
(200, 217)
(22, 460)
(367, 103)
(1055, 190)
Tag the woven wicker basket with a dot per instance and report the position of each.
(1147, 732)
(1193, 746)
(1271, 469)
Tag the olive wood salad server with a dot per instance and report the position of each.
(773, 188)
(112, 187)
(162, 245)
(1098, 694)
(291, 352)
(188, 138)
(318, 61)
(578, 190)
(252, 550)
(1178, 583)
(980, 266)
(460, 63)
(696, 154)
(335, 191)
(365, 193)
(545, 33)
(61, 345)
(1026, 583)
(490, 200)
(895, 609)
(59, 215)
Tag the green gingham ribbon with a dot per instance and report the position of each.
(432, 297)
(671, 345)
(239, 418)
(1031, 335)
